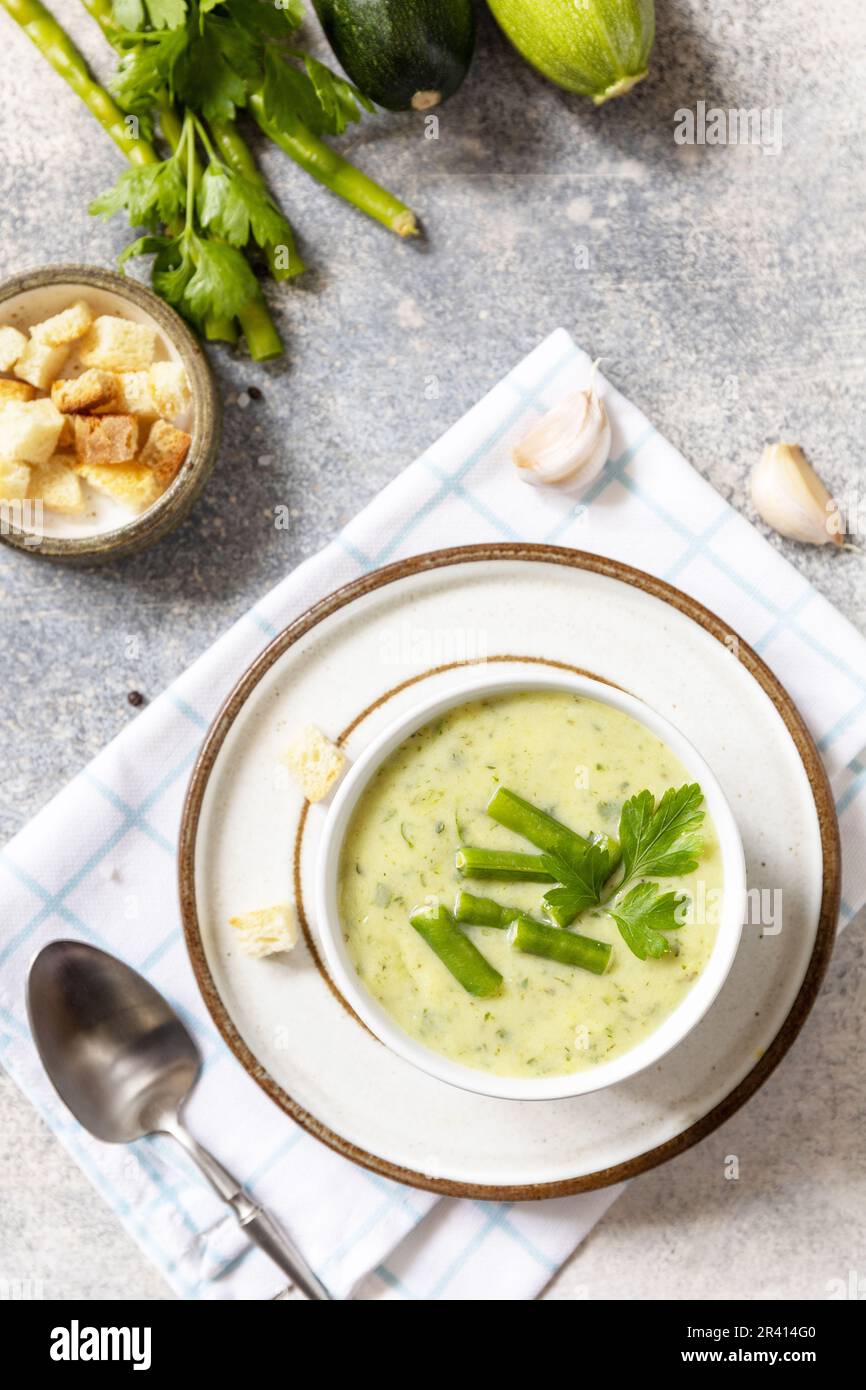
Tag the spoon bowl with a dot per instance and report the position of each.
(116, 1052)
(124, 1063)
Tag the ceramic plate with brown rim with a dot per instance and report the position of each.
(355, 662)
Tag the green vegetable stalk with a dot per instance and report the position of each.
(236, 153)
(55, 45)
(483, 912)
(335, 172)
(542, 830)
(456, 952)
(538, 939)
(506, 865)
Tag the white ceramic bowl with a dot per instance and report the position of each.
(484, 681)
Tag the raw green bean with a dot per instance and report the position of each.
(335, 172)
(542, 830)
(538, 939)
(54, 44)
(503, 864)
(482, 912)
(456, 952)
(562, 916)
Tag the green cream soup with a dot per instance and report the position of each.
(575, 758)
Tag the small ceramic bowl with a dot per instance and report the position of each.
(472, 684)
(106, 531)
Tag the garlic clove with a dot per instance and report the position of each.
(570, 444)
(790, 497)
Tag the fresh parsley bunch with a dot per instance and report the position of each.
(188, 69)
(210, 58)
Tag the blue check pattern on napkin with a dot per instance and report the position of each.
(97, 862)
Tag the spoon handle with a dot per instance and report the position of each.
(254, 1221)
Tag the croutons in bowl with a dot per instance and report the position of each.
(109, 417)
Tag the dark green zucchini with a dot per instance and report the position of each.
(401, 53)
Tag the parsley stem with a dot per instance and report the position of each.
(335, 172)
(188, 136)
(201, 131)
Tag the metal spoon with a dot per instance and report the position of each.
(124, 1063)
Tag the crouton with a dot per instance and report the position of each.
(29, 430)
(64, 328)
(14, 478)
(106, 438)
(267, 930)
(12, 344)
(315, 762)
(91, 390)
(66, 439)
(56, 485)
(131, 484)
(40, 363)
(165, 450)
(15, 391)
(134, 394)
(169, 388)
(118, 345)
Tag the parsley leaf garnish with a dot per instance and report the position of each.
(162, 14)
(317, 97)
(642, 917)
(338, 98)
(217, 70)
(233, 208)
(150, 193)
(661, 838)
(198, 277)
(145, 70)
(272, 20)
(581, 875)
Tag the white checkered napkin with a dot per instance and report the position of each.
(108, 841)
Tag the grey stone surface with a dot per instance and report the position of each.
(724, 291)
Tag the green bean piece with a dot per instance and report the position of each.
(562, 916)
(456, 952)
(334, 171)
(610, 844)
(541, 829)
(505, 864)
(482, 912)
(538, 939)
